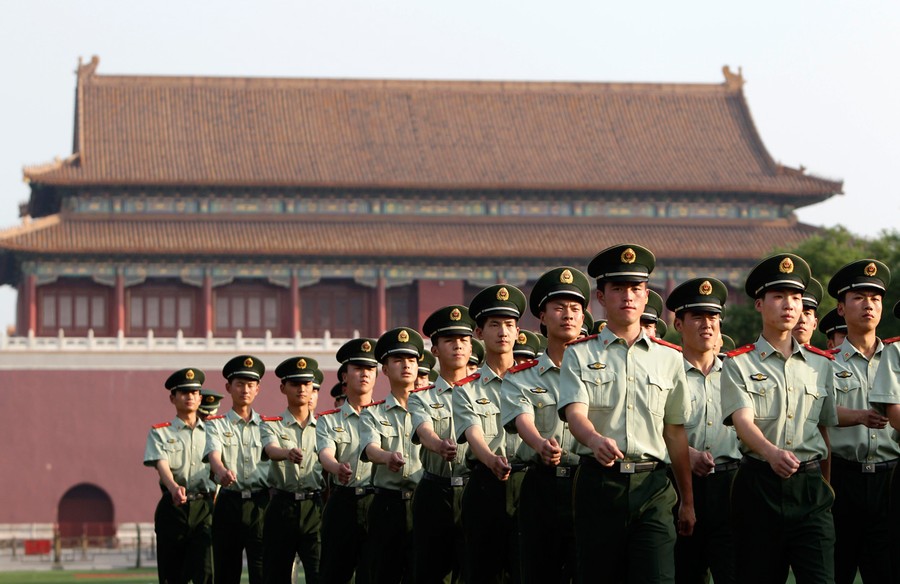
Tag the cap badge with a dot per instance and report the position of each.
(521, 339)
(759, 377)
(189, 375)
(503, 294)
(628, 256)
(871, 270)
(566, 277)
(403, 337)
(301, 364)
(421, 357)
(455, 314)
(209, 399)
(601, 326)
(706, 288)
(366, 347)
(786, 266)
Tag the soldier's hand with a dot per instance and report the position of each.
(448, 450)
(550, 452)
(701, 462)
(606, 451)
(872, 419)
(295, 455)
(345, 473)
(686, 519)
(784, 463)
(396, 462)
(225, 478)
(500, 467)
(179, 495)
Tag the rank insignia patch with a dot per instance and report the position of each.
(759, 377)
(597, 366)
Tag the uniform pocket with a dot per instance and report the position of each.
(545, 416)
(175, 455)
(600, 384)
(845, 392)
(812, 403)
(488, 414)
(762, 393)
(695, 413)
(658, 390)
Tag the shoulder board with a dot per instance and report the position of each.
(582, 339)
(161, 425)
(426, 388)
(891, 340)
(334, 411)
(468, 379)
(219, 417)
(818, 351)
(740, 350)
(271, 418)
(375, 403)
(837, 350)
(523, 366)
(666, 344)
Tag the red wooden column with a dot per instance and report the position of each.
(295, 305)
(381, 300)
(120, 303)
(207, 304)
(31, 299)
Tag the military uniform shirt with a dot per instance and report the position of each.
(535, 391)
(477, 403)
(630, 392)
(182, 446)
(240, 447)
(435, 406)
(705, 430)
(339, 431)
(789, 398)
(886, 387)
(389, 426)
(288, 434)
(853, 378)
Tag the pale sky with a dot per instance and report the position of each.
(821, 80)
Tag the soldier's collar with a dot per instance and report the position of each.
(848, 349)
(288, 419)
(487, 374)
(765, 350)
(391, 401)
(717, 365)
(545, 363)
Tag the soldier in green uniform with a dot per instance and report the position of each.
(183, 519)
(338, 442)
(713, 447)
(486, 519)
(476, 359)
(527, 346)
(294, 516)
(780, 398)
(624, 396)
(651, 319)
(529, 395)
(885, 396)
(387, 433)
(438, 545)
(808, 322)
(865, 454)
(426, 367)
(834, 328)
(209, 403)
(234, 451)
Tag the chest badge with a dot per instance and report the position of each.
(597, 366)
(338, 429)
(538, 390)
(759, 377)
(843, 374)
(228, 434)
(436, 406)
(483, 401)
(385, 423)
(171, 441)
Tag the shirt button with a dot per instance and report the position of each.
(629, 406)
(631, 379)
(790, 416)
(246, 459)
(789, 442)
(790, 389)
(709, 423)
(873, 435)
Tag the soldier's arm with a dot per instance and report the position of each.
(605, 449)
(783, 462)
(330, 464)
(893, 414)
(178, 493)
(498, 464)
(677, 446)
(826, 462)
(547, 448)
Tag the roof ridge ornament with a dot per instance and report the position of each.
(733, 81)
(87, 69)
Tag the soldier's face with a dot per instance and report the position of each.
(298, 393)
(806, 326)
(314, 399)
(624, 301)
(185, 401)
(649, 327)
(780, 309)
(422, 380)
(498, 334)
(360, 379)
(699, 331)
(563, 318)
(452, 351)
(836, 339)
(242, 390)
(861, 309)
(401, 370)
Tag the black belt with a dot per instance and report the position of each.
(301, 496)
(445, 481)
(191, 495)
(245, 494)
(624, 466)
(806, 466)
(865, 467)
(402, 494)
(726, 466)
(356, 491)
(518, 467)
(560, 471)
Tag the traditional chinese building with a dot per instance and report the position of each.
(199, 216)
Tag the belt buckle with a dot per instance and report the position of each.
(563, 472)
(626, 467)
(246, 494)
(712, 470)
(868, 467)
(406, 495)
(456, 481)
(359, 491)
(299, 496)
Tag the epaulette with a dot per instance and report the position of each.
(334, 411)
(374, 403)
(426, 388)
(468, 379)
(891, 340)
(161, 425)
(818, 351)
(219, 417)
(666, 344)
(582, 339)
(523, 366)
(740, 351)
(837, 350)
(271, 418)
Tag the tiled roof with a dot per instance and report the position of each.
(378, 238)
(420, 134)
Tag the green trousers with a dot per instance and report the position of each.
(292, 528)
(711, 547)
(387, 553)
(344, 529)
(546, 524)
(184, 541)
(238, 526)
(438, 544)
(485, 527)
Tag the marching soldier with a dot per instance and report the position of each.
(527, 346)
(426, 366)
(438, 545)
(183, 519)
(808, 322)
(338, 442)
(294, 516)
(529, 395)
(476, 412)
(834, 328)
(624, 396)
(476, 359)
(387, 441)
(651, 319)
(865, 454)
(234, 451)
(713, 447)
(209, 403)
(780, 398)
